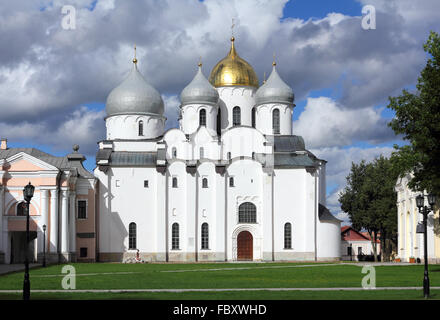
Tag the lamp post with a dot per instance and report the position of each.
(44, 245)
(28, 193)
(420, 201)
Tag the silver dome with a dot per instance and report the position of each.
(275, 90)
(134, 96)
(199, 91)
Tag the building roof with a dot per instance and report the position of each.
(325, 214)
(134, 96)
(71, 161)
(199, 90)
(350, 234)
(275, 90)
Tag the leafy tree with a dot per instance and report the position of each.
(370, 202)
(418, 120)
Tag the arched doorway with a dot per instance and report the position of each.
(245, 246)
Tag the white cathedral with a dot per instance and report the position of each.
(231, 183)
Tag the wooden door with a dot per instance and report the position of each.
(245, 246)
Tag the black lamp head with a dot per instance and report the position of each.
(28, 192)
(431, 199)
(420, 201)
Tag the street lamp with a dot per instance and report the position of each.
(44, 245)
(420, 202)
(28, 193)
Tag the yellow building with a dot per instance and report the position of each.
(410, 243)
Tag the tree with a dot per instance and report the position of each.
(370, 201)
(418, 119)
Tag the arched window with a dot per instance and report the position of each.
(21, 209)
(204, 183)
(202, 153)
(175, 236)
(236, 116)
(174, 182)
(219, 122)
(276, 121)
(132, 236)
(288, 236)
(174, 152)
(253, 117)
(141, 128)
(247, 213)
(205, 236)
(202, 117)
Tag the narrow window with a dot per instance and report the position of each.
(219, 122)
(231, 182)
(204, 183)
(236, 116)
(287, 236)
(21, 209)
(174, 152)
(83, 252)
(175, 236)
(253, 155)
(276, 121)
(145, 183)
(359, 250)
(202, 117)
(229, 155)
(247, 213)
(141, 128)
(174, 182)
(82, 209)
(202, 153)
(205, 236)
(253, 118)
(132, 236)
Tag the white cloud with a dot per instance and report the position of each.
(324, 123)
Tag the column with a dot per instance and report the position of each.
(72, 222)
(44, 214)
(53, 221)
(64, 218)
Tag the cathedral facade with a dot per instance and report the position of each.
(231, 183)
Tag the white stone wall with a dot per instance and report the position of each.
(264, 118)
(127, 126)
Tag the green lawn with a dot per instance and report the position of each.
(233, 275)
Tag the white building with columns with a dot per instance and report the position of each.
(410, 242)
(231, 183)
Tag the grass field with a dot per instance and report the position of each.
(221, 276)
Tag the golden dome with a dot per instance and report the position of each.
(233, 71)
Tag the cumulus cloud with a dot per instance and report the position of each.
(325, 123)
(338, 167)
(47, 73)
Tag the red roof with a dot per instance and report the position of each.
(349, 234)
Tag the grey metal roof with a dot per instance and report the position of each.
(134, 96)
(288, 143)
(124, 158)
(325, 214)
(293, 160)
(199, 90)
(61, 163)
(275, 90)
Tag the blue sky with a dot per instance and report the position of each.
(54, 82)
